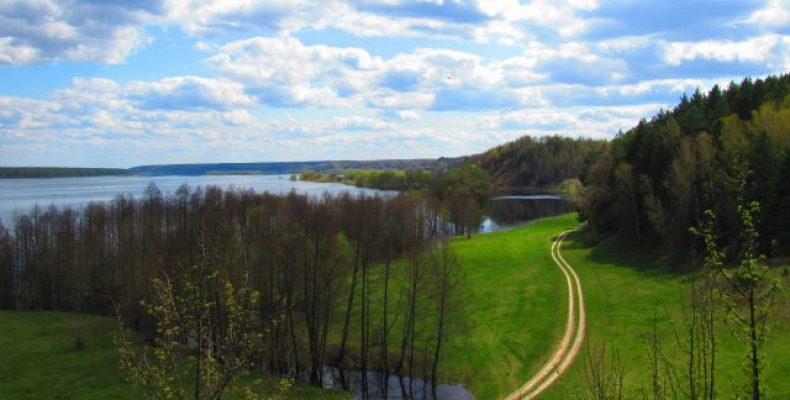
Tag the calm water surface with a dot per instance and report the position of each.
(20, 195)
(511, 211)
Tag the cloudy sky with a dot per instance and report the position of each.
(119, 83)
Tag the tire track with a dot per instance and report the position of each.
(572, 339)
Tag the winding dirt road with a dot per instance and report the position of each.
(572, 340)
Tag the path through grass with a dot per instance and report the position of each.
(625, 289)
(514, 310)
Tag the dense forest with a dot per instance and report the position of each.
(58, 172)
(713, 151)
(359, 283)
(538, 162)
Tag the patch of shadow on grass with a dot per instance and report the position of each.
(654, 262)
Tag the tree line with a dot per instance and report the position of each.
(712, 151)
(538, 162)
(59, 172)
(386, 179)
(351, 282)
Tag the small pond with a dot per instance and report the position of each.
(511, 211)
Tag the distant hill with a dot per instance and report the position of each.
(295, 167)
(58, 172)
(530, 162)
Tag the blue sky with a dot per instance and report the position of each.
(119, 83)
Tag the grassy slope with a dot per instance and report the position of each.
(624, 290)
(39, 361)
(514, 309)
(513, 313)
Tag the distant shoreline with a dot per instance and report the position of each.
(256, 168)
(59, 172)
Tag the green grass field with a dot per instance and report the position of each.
(512, 316)
(625, 289)
(38, 360)
(514, 309)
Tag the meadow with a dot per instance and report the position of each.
(627, 289)
(40, 360)
(510, 318)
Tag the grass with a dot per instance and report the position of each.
(39, 360)
(513, 314)
(514, 309)
(625, 289)
(512, 317)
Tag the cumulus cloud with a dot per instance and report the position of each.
(756, 49)
(369, 78)
(283, 71)
(593, 121)
(775, 13)
(189, 93)
(43, 31)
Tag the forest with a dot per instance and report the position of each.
(538, 163)
(344, 283)
(713, 151)
(385, 179)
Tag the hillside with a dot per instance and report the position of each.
(538, 162)
(712, 151)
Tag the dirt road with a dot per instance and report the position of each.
(572, 339)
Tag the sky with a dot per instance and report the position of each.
(120, 83)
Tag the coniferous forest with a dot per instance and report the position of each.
(713, 151)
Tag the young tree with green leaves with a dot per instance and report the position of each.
(748, 291)
(207, 336)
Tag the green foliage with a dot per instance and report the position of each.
(749, 297)
(538, 162)
(206, 337)
(469, 180)
(657, 179)
(386, 179)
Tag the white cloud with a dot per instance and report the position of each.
(16, 54)
(283, 71)
(594, 122)
(776, 13)
(756, 49)
(181, 93)
(44, 31)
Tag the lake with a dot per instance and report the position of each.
(20, 195)
(511, 211)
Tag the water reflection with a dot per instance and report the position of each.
(510, 211)
(398, 388)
